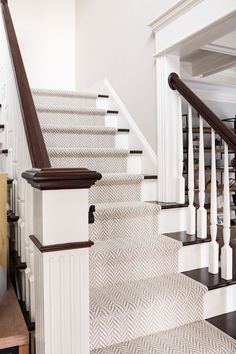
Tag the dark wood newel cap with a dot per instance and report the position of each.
(61, 178)
(171, 80)
(4, 2)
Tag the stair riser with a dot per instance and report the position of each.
(70, 119)
(220, 301)
(194, 257)
(141, 191)
(102, 164)
(108, 271)
(124, 226)
(79, 140)
(74, 102)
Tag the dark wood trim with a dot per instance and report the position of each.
(206, 113)
(60, 247)
(150, 177)
(103, 96)
(187, 240)
(225, 323)
(123, 130)
(136, 151)
(112, 112)
(36, 144)
(61, 178)
(212, 281)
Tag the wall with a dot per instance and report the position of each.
(114, 42)
(46, 33)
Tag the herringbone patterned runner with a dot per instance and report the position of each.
(195, 338)
(137, 295)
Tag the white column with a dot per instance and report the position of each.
(171, 184)
(214, 246)
(226, 251)
(62, 274)
(191, 218)
(201, 213)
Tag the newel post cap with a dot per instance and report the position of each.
(61, 178)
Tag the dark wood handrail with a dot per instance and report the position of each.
(36, 145)
(205, 112)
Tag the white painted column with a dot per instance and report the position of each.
(191, 218)
(213, 246)
(171, 184)
(201, 212)
(61, 275)
(226, 251)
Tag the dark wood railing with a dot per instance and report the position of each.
(36, 145)
(42, 176)
(205, 112)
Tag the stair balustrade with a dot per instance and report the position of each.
(200, 217)
(52, 230)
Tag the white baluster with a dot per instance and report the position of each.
(226, 251)
(191, 218)
(201, 213)
(214, 246)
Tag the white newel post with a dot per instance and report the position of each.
(171, 184)
(61, 263)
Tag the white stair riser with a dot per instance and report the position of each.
(193, 257)
(172, 220)
(70, 119)
(66, 101)
(134, 163)
(122, 140)
(149, 190)
(103, 103)
(220, 301)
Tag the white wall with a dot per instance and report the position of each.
(46, 33)
(114, 41)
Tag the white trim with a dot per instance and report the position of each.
(217, 48)
(173, 13)
(209, 95)
(220, 301)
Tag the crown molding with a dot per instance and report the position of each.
(173, 13)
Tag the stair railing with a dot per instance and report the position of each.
(51, 236)
(205, 114)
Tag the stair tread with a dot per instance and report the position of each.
(126, 177)
(125, 311)
(52, 128)
(136, 207)
(131, 259)
(62, 93)
(130, 248)
(212, 281)
(75, 110)
(132, 296)
(225, 323)
(196, 337)
(186, 239)
(90, 151)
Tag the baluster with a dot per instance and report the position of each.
(201, 213)
(226, 251)
(191, 219)
(214, 246)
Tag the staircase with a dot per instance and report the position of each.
(129, 282)
(139, 301)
